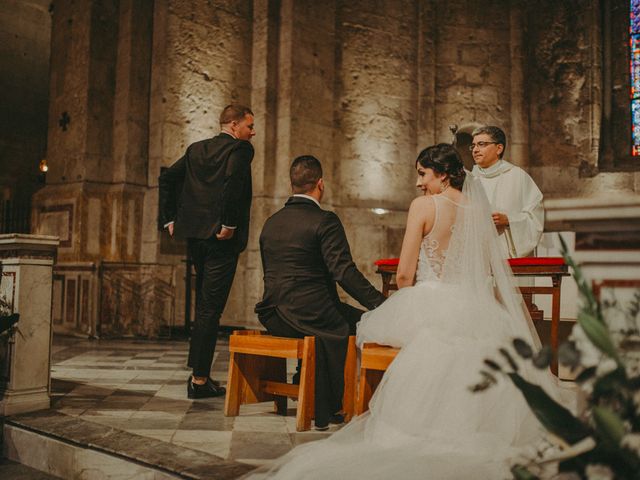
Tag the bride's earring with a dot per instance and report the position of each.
(444, 185)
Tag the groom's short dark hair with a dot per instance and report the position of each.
(304, 173)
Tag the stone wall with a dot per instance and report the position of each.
(566, 97)
(363, 85)
(24, 61)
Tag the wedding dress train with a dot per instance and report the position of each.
(424, 422)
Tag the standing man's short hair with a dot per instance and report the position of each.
(496, 134)
(234, 112)
(304, 173)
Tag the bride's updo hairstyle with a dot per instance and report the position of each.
(444, 159)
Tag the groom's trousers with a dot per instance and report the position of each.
(331, 352)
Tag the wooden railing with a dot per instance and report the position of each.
(15, 215)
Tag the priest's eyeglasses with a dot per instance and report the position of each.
(480, 145)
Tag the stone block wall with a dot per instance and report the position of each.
(25, 27)
(363, 85)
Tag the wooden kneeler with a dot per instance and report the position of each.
(258, 373)
(374, 361)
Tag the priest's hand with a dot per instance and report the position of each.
(170, 228)
(500, 220)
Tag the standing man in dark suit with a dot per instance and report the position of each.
(212, 213)
(304, 253)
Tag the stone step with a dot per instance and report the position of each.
(71, 448)
(15, 471)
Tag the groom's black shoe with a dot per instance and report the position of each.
(209, 389)
(336, 419)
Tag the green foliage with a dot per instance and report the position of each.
(609, 426)
(607, 363)
(597, 332)
(553, 416)
(520, 472)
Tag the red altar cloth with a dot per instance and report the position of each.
(514, 262)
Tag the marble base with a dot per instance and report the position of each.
(66, 460)
(26, 263)
(70, 447)
(14, 402)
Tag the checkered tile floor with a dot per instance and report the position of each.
(140, 387)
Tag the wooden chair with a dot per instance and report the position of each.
(258, 373)
(374, 361)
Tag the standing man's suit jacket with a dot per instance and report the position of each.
(304, 253)
(216, 190)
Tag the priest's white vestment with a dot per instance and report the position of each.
(512, 191)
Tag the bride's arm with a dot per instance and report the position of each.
(418, 211)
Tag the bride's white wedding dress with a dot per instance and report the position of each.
(424, 422)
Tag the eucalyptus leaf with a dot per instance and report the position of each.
(586, 374)
(542, 359)
(597, 332)
(523, 348)
(492, 365)
(613, 381)
(507, 356)
(521, 472)
(569, 355)
(608, 425)
(583, 285)
(553, 416)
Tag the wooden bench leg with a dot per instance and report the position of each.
(234, 388)
(369, 380)
(306, 400)
(349, 397)
(236, 380)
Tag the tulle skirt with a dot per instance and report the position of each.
(424, 422)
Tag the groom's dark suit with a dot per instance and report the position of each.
(215, 175)
(304, 253)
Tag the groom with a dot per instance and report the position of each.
(304, 253)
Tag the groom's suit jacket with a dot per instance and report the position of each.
(305, 253)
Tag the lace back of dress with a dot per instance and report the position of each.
(433, 251)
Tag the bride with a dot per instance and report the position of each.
(424, 422)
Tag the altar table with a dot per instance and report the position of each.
(552, 267)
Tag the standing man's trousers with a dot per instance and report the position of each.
(215, 262)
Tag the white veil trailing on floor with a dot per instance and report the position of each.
(423, 422)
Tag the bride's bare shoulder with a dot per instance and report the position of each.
(422, 201)
(422, 205)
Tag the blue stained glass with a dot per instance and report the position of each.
(634, 61)
(635, 65)
(635, 119)
(634, 16)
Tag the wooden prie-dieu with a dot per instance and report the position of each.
(550, 267)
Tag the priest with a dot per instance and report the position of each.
(515, 199)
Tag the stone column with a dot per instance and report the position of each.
(26, 264)
(519, 135)
(376, 123)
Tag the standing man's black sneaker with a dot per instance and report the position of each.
(215, 382)
(207, 390)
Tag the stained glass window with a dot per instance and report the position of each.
(634, 44)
